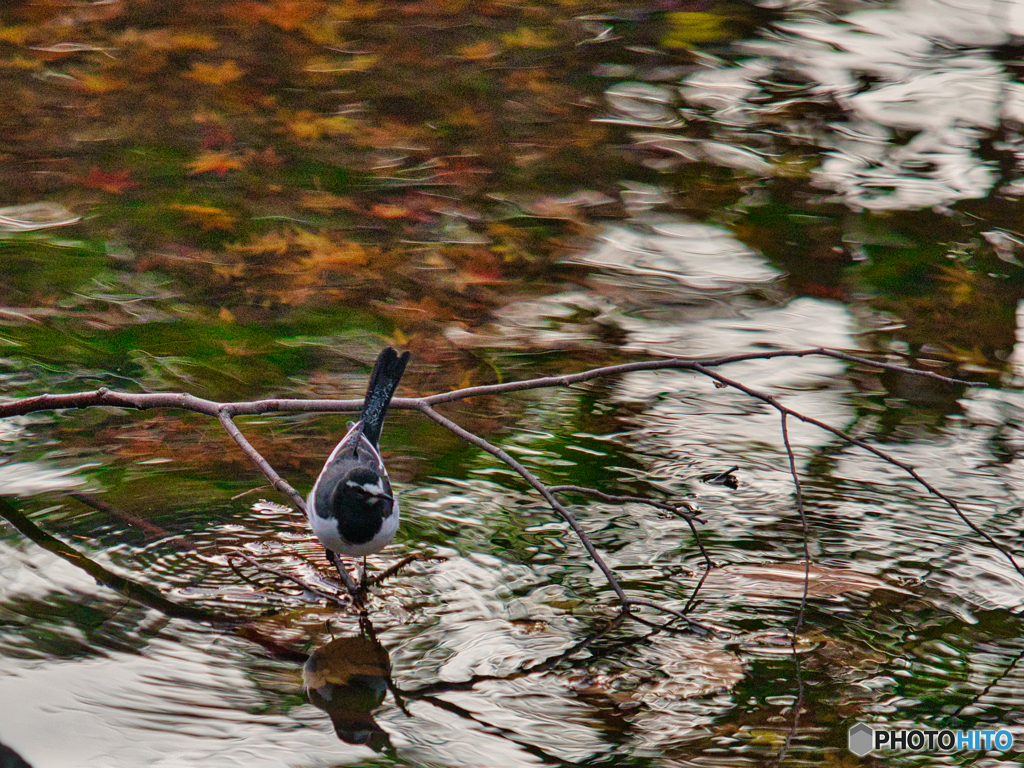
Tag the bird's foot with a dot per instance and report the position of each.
(356, 591)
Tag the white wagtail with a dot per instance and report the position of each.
(352, 509)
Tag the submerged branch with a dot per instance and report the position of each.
(144, 595)
(130, 589)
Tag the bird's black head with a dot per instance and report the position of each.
(362, 490)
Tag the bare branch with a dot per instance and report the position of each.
(143, 401)
(672, 364)
(224, 414)
(132, 590)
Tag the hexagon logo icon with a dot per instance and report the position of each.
(860, 739)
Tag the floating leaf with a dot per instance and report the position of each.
(16, 35)
(291, 14)
(325, 201)
(168, 40)
(485, 49)
(306, 125)
(350, 10)
(214, 74)
(689, 27)
(527, 37)
(324, 253)
(114, 182)
(272, 242)
(97, 83)
(215, 162)
(207, 217)
(384, 211)
(339, 124)
(398, 338)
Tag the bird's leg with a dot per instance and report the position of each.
(346, 579)
(363, 582)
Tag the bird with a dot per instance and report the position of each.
(352, 508)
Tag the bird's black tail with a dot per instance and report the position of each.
(387, 372)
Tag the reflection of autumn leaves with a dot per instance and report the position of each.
(214, 74)
(306, 126)
(193, 442)
(215, 162)
(294, 266)
(217, 81)
(410, 133)
(114, 182)
(286, 14)
(206, 216)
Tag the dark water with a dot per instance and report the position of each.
(248, 200)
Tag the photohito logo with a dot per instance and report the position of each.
(862, 738)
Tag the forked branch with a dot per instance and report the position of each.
(226, 413)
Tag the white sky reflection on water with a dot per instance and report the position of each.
(903, 104)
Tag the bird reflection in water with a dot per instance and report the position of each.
(348, 679)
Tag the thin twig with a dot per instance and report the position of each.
(689, 514)
(798, 706)
(288, 577)
(803, 522)
(643, 601)
(696, 590)
(392, 570)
